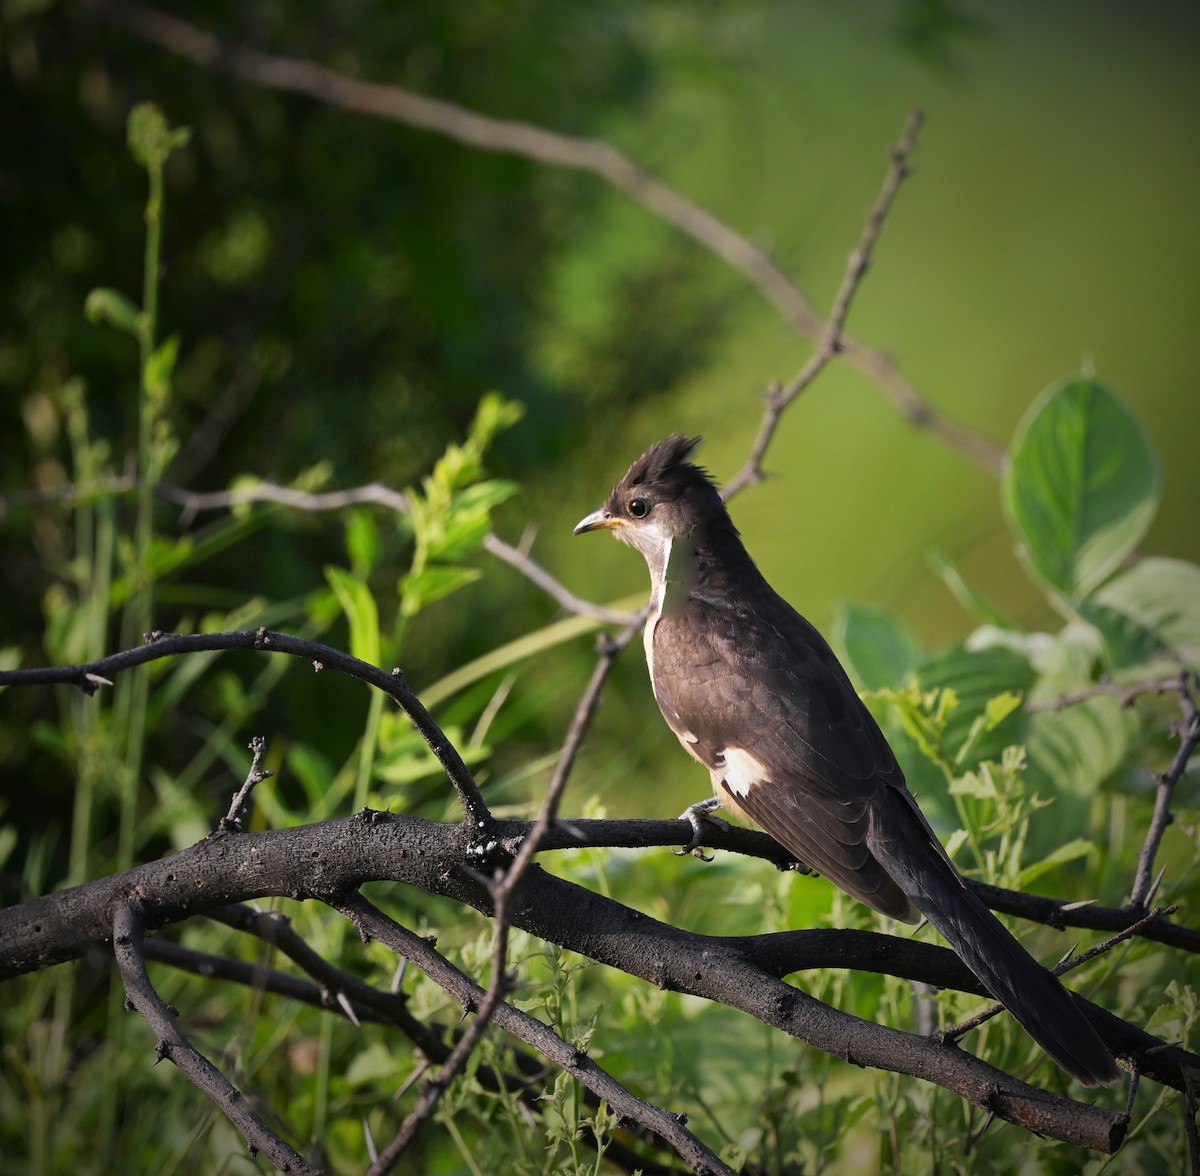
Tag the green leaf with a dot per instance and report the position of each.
(8, 842)
(404, 757)
(359, 606)
(1081, 485)
(105, 305)
(1070, 852)
(311, 768)
(483, 497)
(976, 784)
(157, 375)
(995, 711)
(493, 415)
(978, 677)
(922, 715)
(1071, 751)
(150, 137)
(236, 253)
(461, 532)
(362, 541)
(450, 525)
(162, 556)
(523, 648)
(878, 649)
(418, 589)
(970, 600)
(957, 839)
(371, 1066)
(1150, 611)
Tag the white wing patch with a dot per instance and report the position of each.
(742, 771)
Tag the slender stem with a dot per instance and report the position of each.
(132, 700)
(1189, 739)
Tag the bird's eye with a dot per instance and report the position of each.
(639, 508)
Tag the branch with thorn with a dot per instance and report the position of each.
(255, 776)
(127, 939)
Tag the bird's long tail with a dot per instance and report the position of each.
(907, 848)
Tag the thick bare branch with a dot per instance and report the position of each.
(335, 857)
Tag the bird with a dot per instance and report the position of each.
(754, 692)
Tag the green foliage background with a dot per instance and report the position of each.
(338, 298)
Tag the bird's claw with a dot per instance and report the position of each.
(696, 815)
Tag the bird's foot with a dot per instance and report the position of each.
(696, 815)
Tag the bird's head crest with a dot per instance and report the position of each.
(665, 467)
(663, 495)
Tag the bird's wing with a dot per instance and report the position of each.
(769, 686)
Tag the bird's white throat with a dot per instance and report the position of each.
(674, 575)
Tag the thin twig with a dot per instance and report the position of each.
(528, 141)
(68, 492)
(255, 776)
(1126, 695)
(831, 342)
(1189, 738)
(369, 1004)
(194, 502)
(128, 930)
(534, 572)
(218, 967)
(273, 928)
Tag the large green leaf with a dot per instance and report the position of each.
(1149, 612)
(1072, 751)
(1081, 485)
(431, 583)
(877, 648)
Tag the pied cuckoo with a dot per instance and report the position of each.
(754, 692)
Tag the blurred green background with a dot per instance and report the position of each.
(346, 289)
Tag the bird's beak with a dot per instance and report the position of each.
(598, 520)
